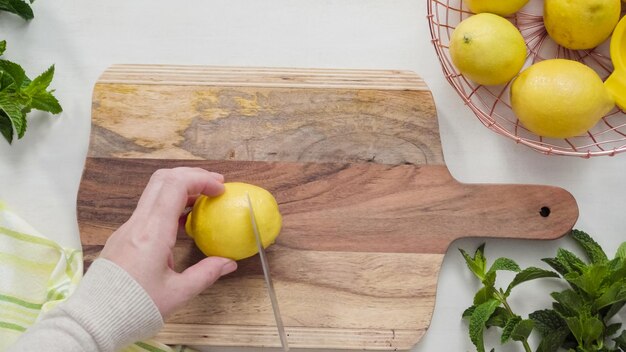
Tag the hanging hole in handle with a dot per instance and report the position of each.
(544, 211)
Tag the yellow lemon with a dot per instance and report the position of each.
(221, 225)
(559, 98)
(581, 24)
(487, 49)
(498, 7)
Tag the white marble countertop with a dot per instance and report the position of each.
(40, 173)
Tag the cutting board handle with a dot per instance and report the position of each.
(364, 207)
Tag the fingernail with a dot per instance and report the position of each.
(228, 268)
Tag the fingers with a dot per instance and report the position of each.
(168, 193)
(199, 277)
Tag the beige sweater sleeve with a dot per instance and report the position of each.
(108, 311)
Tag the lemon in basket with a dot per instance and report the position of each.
(221, 225)
(487, 49)
(559, 98)
(498, 7)
(580, 24)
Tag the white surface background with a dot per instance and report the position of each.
(40, 173)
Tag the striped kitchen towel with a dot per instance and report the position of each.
(36, 274)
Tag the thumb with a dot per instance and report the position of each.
(203, 274)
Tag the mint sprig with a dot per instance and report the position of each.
(581, 316)
(19, 95)
(18, 7)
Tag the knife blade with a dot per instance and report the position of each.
(268, 278)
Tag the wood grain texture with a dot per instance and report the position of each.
(308, 123)
(360, 249)
(355, 162)
(347, 207)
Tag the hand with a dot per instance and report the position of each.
(143, 245)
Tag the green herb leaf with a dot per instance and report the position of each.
(45, 101)
(14, 112)
(504, 264)
(468, 312)
(556, 265)
(552, 342)
(569, 303)
(479, 318)
(478, 263)
(15, 72)
(508, 328)
(570, 261)
(612, 329)
(483, 295)
(621, 251)
(528, 274)
(6, 127)
(41, 83)
(18, 7)
(590, 280)
(522, 330)
(591, 247)
(614, 309)
(586, 329)
(614, 294)
(499, 318)
(3, 46)
(547, 321)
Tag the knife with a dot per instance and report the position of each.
(268, 278)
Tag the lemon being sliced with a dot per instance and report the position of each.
(221, 225)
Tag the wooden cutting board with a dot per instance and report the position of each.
(355, 162)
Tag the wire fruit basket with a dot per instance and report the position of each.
(491, 104)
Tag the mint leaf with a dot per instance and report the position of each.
(19, 95)
(39, 84)
(18, 7)
(556, 265)
(499, 318)
(504, 264)
(614, 294)
(468, 312)
(6, 127)
(15, 72)
(568, 303)
(478, 263)
(592, 248)
(479, 318)
(569, 260)
(552, 327)
(3, 46)
(530, 273)
(508, 328)
(483, 295)
(614, 309)
(621, 251)
(45, 101)
(590, 280)
(612, 329)
(552, 342)
(14, 112)
(587, 330)
(547, 321)
(522, 330)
